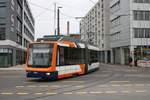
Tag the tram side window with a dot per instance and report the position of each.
(71, 56)
(62, 59)
(93, 56)
(74, 56)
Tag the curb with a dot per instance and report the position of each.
(11, 69)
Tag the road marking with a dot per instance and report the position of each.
(125, 91)
(19, 86)
(140, 91)
(6, 93)
(38, 93)
(119, 81)
(50, 93)
(31, 86)
(115, 85)
(96, 92)
(111, 92)
(80, 86)
(22, 93)
(103, 85)
(55, 86)
(43, 86)
(81, 92)
(67, 93)
(139, 85)
(127, 85)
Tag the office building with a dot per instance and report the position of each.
(95, 28)
(130, 29)
(16, 31)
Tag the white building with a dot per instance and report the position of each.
(130, 29)
(94, 28)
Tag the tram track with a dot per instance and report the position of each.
(71, 88)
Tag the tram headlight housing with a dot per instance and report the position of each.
(48, 73)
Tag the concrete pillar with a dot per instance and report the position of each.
(122, 56)
(102, 56)
(112, 56)
(132, 52)
(106, 56)
(14, 57)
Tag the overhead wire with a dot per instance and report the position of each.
(48, 9)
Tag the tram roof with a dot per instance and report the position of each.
(59, 38)
(47, 38)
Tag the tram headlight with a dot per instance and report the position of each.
(48, 73)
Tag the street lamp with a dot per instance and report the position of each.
(58, 21)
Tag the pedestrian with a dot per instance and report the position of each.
(135, 61)
(130, 61)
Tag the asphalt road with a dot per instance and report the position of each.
(109, 83)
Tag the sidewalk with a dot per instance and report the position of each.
(17, 67)
(125, 66)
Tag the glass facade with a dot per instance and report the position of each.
(5, 57)
(20, 57)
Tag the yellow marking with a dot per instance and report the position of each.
(22, 93)
(73, 81)
(119, 81)
(125, 91)
(67, 93)
(109, 92)
(19, 86)
(141, 91)
(95, 92)
(7, 93)
(50, 93)
(81, 92)
(38, 93)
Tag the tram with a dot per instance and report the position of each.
(60, 57)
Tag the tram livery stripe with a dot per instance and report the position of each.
(68, 69)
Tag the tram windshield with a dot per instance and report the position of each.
(40, 55)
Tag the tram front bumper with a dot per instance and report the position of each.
(51, 75)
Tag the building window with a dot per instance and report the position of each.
(141, 32)
(26, 18)
(115, 22)
(141, 1)
(141, 15)
(19, 39)
(26, 43)
(5, 57)
(2, 4)
(2, 33)
(19, 25)
(116, 36)
(115, 7)
(28, 33)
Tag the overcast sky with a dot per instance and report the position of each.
(44, 17)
